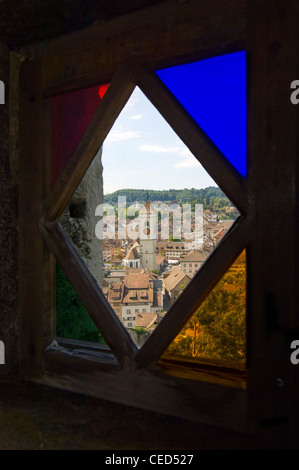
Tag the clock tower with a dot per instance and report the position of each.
(148, 236)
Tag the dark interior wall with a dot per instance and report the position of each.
(8, 232)
(28, 21)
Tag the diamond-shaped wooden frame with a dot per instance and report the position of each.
(116, 336)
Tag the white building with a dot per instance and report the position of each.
(132, 258)
(148, 237)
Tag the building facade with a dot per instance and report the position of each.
(148, 237)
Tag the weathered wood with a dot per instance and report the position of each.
(273, 163)
(31, 194)
(14, 100)
(194, 400)
(90, 293)
(218, 167)
(92, 351)
(160, 36)
(195, 292)
(49, 262)
(222, 372)
(109, 108)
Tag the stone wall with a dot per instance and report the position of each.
(79, 219)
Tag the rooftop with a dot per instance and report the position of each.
(195, 256)
(174, 278)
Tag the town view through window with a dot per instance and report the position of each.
(145, 218)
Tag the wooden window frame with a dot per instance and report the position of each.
(126, 52)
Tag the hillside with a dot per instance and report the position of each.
(201, 196)
(212, 198)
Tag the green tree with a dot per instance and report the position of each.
(72, 319)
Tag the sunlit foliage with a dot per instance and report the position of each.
(218, 329)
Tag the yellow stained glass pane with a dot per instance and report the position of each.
(218, 328)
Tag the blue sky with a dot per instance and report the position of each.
(143, 152)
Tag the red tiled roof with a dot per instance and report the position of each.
(195, 256)
(145, 320)
(175, 277)
(136, 281)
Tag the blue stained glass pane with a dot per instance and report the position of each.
(213, 91)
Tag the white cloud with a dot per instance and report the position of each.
(187, 163)
(119, 136)
(158, 148)
(187, 159)
(136, 116)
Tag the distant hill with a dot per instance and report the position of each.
(200, 196)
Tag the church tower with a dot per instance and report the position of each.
(148, 236)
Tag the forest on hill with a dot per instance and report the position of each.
(166, 195)
(212, 198)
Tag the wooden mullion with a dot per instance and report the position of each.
(218, 167)
(31, 194)
(195, 292)
(107, 112)
(273, 320)
(49, 260)
(90, 293)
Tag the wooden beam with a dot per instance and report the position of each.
(198, 401)
(90, 293)
(273, 168)
(222, 372)
(14, 102)
(161, 36)
(31, 247)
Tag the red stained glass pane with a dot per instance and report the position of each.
(71, 115)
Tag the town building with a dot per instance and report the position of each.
(171, 250)
(112, 248)
(132, 258)
(148, 236)
(134, 296)
(174, 283)
(219, 235)
(192, 262)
